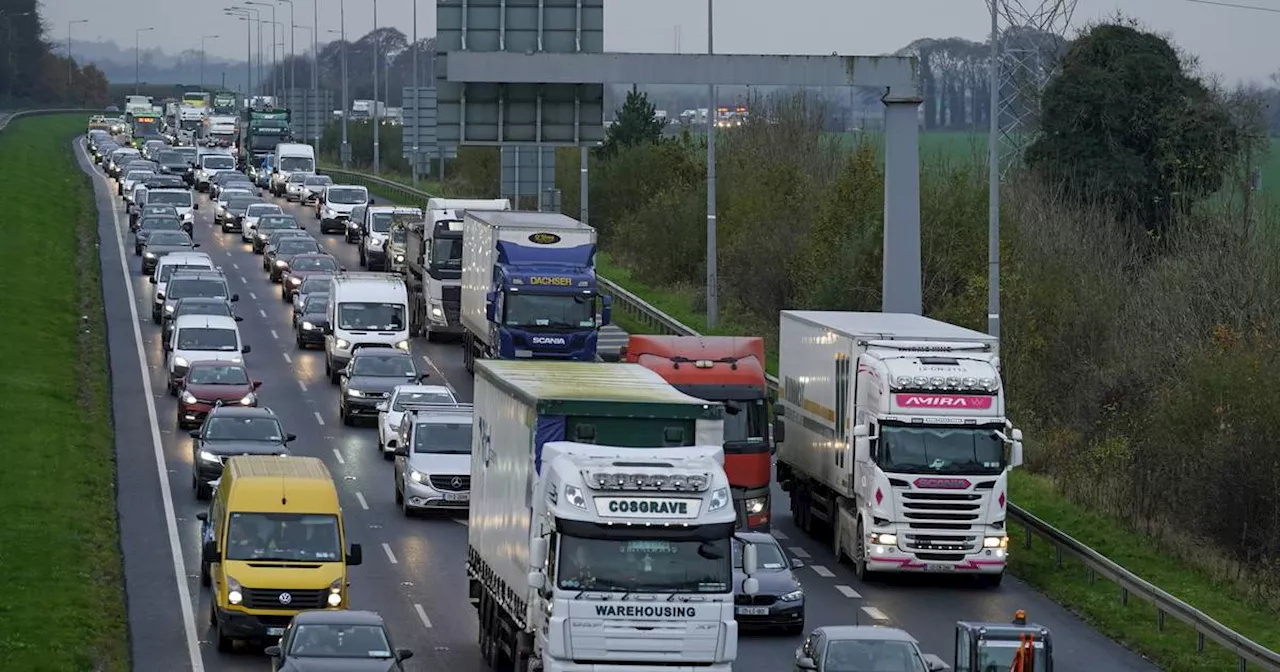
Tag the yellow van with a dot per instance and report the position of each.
(272, 546)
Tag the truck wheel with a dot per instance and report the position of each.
(225, 644)
(860, 557)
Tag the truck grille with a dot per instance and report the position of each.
(754, 600)
(451, 295)
(445, 483)
(942, 526)
(269, 598)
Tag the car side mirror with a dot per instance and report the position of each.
(382, 407)
(355, 556)
(246, 349)
(796, 563)
(209, 552)
(424, 376)
(342, 269)
(202, 516)
(256, 384)
(195, 245)
(402, 451)
(935, 664)
(235, 298)
(290, 438)
(328, 330)
(273, 651)
(237, 318)
(152, 279)
(195, 434)
(373, 201)
(403, 654)
(806, 663)
(392, 443)
(195, 206)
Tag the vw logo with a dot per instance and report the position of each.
(456, 482)
(285, 598)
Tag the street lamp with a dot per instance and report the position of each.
(257, 18)
(315, 63)
(202, 40)
(71, 63)
(377, 107)
(306, 99)
(137, 56)
(257, 3)
(346, 105)
(292, 27)
(10, 52)
(248, 47)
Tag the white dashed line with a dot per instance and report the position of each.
(422, 615)
(235, 265)
(275, 335)
(360, 498)
(318, 418)
(302, 385)
(439, 373)
(289, 359)
(228, 253)
(244, 280)
(875, 613)
(779, 535)
(822, 571)
(798, 552)
(849, 592)
(253, 296)
(390, 556)
(336, 453)
(263, 312)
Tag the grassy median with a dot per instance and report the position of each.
(64, 603)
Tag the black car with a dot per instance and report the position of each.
(196, 305)
(780, 601)
(160, 243)
(150, 224)
(233, 219)
(286, 251)
(270, 223)
(322, 640)
(230, 180)
(370, 377)
(310, 321)
(174, 163)
(151, 209)
(230, 431)
(164, 182)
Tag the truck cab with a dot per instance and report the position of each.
(1003, 647)
(730, 370)
(382, 234)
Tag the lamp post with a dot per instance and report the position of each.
(315, 63)
(306, 103)
(993, 184)
(713, 293)
(248, 47)
(274, 79)
(346, 105)
(71, 62)
(416, 112)
(292, 27)
(202, 41)
(377, 108)
(137, 56)
(257, 18)
(9, 51)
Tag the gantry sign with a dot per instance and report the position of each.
(532, 72)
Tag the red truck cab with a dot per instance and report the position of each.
(730, 370)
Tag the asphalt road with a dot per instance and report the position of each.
(413, 571)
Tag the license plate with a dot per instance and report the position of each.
(939, 568)
(753, 611)
(275, 632)
(457, 496)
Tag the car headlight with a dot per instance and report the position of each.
(436, 311)
(307, 326)
(793, 596)
(719, 499)
(295, 281)
(188, 398)
(755, 505)
(234, 596)
(262, 236)
(342, 344)
(402, 345)
(355, 393)
(335, 593)
(417, 476)
(210, 457)
(237, 360)
(180, 362)
(995, 542)
(884, 539)
(399, 258)
(249, 399)
(281, 263)
(150, 255)
(170, 308)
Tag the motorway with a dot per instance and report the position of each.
(413, 571)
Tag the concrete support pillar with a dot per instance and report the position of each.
(902, 279)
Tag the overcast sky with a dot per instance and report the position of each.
(1236, 43)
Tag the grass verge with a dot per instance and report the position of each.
(59, 541)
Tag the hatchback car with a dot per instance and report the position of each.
(150, 224)
(322, 640)
(237, 209)
(161, 243)
(269, 224)
(231, 430)
(256, 212)
(370, 377)
(310, 321)
(210, 383)
(841, 648)
(302, 267)
(278, 259)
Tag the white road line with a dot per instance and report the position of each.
(228, 253)
(337, 454)
(166, 496)
(849, 592)
(779, 535)
(822, 571)
(875, 613)
(386, 548)
(289, 359)
(244, 280)
(318, 418)
(263, 312)
(275, 335)
(798, 552)
(439, 373)
(422, 615)
(235, 265)
(360, 498)
(302, 385)
(253, 296)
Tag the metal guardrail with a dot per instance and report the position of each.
(406, 195)
(1246, 651)
(6, 118)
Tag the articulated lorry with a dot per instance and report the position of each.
(893, 436)
(727, 370)
(263, 130)
(429, 256)
(529, 287)
(601, 522)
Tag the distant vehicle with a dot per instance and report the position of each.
(840, 648)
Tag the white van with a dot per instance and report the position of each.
(365, 310)
(291, 157)
(210, 165)
(202, 338)
(181, 200)
(334, 208)
(164, 270)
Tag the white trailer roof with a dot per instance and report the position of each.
(887, 326)
(519, 219)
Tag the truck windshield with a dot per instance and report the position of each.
(371, 316)
(190, 124)
(549, 310)
(747, 424)
(261, 142)
(940, 450)
(999, 655)
(218, 162)
(645, 565)
(446, 253)
(145, 126)
(442, 439)
(283, 536)
(297, 164)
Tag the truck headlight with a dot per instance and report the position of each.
(399, 259)
(188, 398)
(417, 476)
(335, 593)
(248, 399)
(180, 362)
(884, 539)
(573, 495)
(755, 505)
(436, 311)
(234, 596)
(719, 499)
(995, 542)
(402, 345)
(793, 596)
(209, 457)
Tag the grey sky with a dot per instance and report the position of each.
(1233, 42)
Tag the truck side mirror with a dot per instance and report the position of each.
(779, 431)
(861, 430)
(209, 552)
(152, 279)
(536, 580)
(862, 449)
(272, 651)
(538, 552)
(490, 306)
(750, 559)
(356, 556)
(606, 311)
(1015, 454)
(195, 206)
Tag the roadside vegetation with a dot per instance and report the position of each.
(64, 607)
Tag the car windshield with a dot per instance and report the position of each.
(167, 270)
(318, 283)
(208, 339)
(315, 304)
(346, 195)
(178, 198)
(421, 398)
(770, 555)
(383, 365)
(169, 238)
(297, 246)
(442, 438)
(644, 565)
(549, 310)
(259, 209)
(283, 537)
(315, 264)
(160, 224)
(270, 222)
(319, 180)
(184, 287)
(241, 204)
(172, 157)
(280, 236)
(940, 450)
(371, 316)
(135, 175)
(340, 641)
(381, 222)
(221, 374)
(198, 307)
(218, 162)
(228, 195)
(861, 655)
(188, 154)
(298, 178)
(232, 428)
(290, 164)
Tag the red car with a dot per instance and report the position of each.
(209, 384)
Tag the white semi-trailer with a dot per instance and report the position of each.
(892, 435)
(600, 524)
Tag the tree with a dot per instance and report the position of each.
(636, 124)
(1125, 123)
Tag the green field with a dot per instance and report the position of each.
(64, 607)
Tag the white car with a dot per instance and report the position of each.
(391, 411)
(132, 179)
(251, 218)
(202, 338)
(313, 187)
(295, 185)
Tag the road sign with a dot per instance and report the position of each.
(309, 112)
(523, 175)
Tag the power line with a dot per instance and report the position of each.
(1233, 5)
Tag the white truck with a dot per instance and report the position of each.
(135, 106)
(601, 520)
(892, 435)
(223, 130)
(290, 157)
(366, 310)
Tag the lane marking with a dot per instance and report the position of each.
(822, 571)
(440, 373)
(360, 498)
(244, 280)
(235, 265)
(798, 552)
(253, 296)
(338, 454)
(779, 535)
(422, 615)
(263, 312)
(849, 592)
(275, 335)
(289, 359)
(162, 471)
(875, 613)
(390, 556)
(318, 418)
(302, 385)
